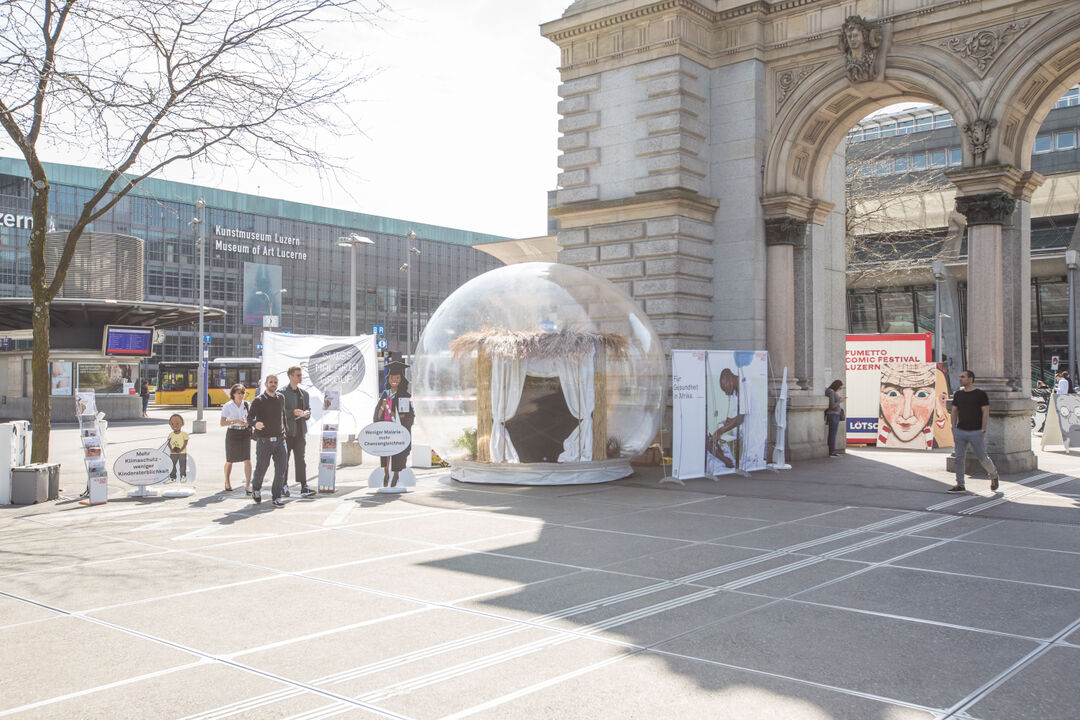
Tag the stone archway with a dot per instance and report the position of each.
(699, 150)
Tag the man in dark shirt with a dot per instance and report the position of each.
(297, 413)
(267, 416)
(970, 416)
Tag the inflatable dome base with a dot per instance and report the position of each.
(563, 473)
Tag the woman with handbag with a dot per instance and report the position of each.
(834, 414)
(238, 436)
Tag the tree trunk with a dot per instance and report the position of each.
(42, 299)
(40, 384)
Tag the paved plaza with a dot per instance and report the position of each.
(852, 587)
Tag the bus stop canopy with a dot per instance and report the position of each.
(17, 313)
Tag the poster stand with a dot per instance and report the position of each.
(328, 445)
(92, 438)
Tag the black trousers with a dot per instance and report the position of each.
(297, 445)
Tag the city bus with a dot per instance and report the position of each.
(178, 382)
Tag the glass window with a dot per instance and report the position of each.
(882, 167)
(897, 312)
(888, 129)
(918, 161)
(905, 127)
(943, 120)
(937, 158)
(956, 156)
(855, 135)
(1065, 140)
(924, 123)
(1043, 144)
(871, 133)
(862, 313)
(924, 302)
(900, 164)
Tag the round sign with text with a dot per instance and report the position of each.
(384, 439)
(337, 367)
(144, 466)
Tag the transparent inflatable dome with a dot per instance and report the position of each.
(538, 368)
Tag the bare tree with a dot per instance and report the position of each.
(898, 212)
(141, 84)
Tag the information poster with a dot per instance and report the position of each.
(60, 377)
(862, 377)
(721, 402)
(340, 374)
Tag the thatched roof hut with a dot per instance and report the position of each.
(537, 345)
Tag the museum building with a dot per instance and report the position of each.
(264, 257)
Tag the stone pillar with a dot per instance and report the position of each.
(998, 303)
(791, 316)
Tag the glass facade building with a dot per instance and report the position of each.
(932, 143)
(274, 238)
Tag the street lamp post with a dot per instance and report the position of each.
(352, 242)
(199, 426)
(1072, 260)
(939, 279)
(407, 267)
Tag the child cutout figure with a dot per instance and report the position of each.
(177, 442)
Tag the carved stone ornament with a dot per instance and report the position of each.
(788, 80)
(981, 47)
(977, 133)
(860, 42)
(986, 209)
(785, 231)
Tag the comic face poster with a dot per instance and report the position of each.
(912, 409)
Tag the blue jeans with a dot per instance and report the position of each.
(834, 426)
(962, 439)
(264, 450)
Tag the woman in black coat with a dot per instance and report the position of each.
(395, 405)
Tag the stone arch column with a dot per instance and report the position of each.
(794, 314)
(996, 202)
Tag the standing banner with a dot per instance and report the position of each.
(688, 409)
(330, 363)
(721, 402)
(1064, 427)
(329, 446)
(862, 380)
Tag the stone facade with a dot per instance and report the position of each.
(702, 165)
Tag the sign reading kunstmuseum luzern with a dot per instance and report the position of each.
(258, 244)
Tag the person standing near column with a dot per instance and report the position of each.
(834, 414)
(970, 418)
(267, 416)
(144, 392)
(297, 413)
(1063, 383)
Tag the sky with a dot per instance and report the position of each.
(460, 120)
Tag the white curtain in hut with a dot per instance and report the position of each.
(576, 378)
(507, 384)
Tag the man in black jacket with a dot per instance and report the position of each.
(267, 416)
(297, 413)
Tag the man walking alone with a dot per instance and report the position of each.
(297, 412)
(970, 417)
(267, 416)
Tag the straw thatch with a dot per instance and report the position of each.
(537, 343)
